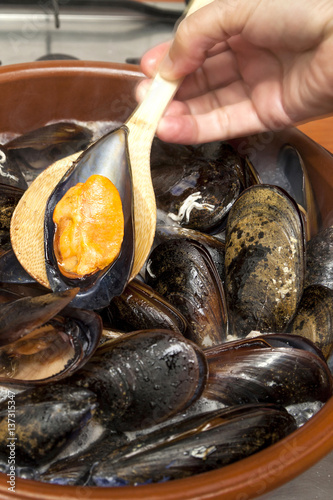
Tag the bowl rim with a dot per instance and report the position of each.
(242, 480)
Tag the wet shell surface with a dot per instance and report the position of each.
(319, 259)
(144, 377)
(184, 273)
(264, 259)
(196, 186)
(314, 317)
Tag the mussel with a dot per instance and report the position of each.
(42, 340)
(297, 184)
(215, 247)
(314, 317)
(139, 307)
(185, 274)
(194, 187)
(10, 172)
(45, 422)
(264, 260)
(248, 371)
(74, 469)
(143, 378)
(319, 259)
(195, 446)
(41, 147)
(9, 197)
(110, 160)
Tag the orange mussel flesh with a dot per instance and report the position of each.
(89, 227)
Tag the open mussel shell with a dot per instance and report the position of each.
(249, 371)
(265, 260)
(41, 147)
(184, 273)
(46, 419)
(42, 340)
(139, 307)
(314, 317)
(195, 446)
(194, 188)
(143, 378)
(108, 157)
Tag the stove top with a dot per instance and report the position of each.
(95, 30)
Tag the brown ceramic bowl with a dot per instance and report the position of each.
(33, 94)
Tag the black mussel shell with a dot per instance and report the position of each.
(11, 270)
(197, 446)
(46, 419)
(319, 259)
(19, 290)
(248, 373)
(42, 340)
(75, 469)
(195, 189)
(215, 247)
(144, 377)
(184, 273)
(139, 307)
(110, 159)
(9, 198)
(265, 260)
(298, 185)
(40, 148)
(10, 173)
(281, 340)
(314, 317)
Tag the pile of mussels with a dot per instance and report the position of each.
(215, 351)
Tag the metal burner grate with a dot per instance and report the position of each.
(98, 30)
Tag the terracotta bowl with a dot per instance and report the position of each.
(33, 94)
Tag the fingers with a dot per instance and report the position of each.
(218, 71)
(221, 124)
(151, 59)
(200, 33)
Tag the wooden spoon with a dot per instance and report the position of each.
(27, 224)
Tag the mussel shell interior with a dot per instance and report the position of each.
(108, 157)
(40, 345)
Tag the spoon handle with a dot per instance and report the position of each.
(149, 112)
(142, 126)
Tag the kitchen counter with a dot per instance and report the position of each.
(320, 131)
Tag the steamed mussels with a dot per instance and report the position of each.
(210, 355)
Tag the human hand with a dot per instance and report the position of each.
(249, 66)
